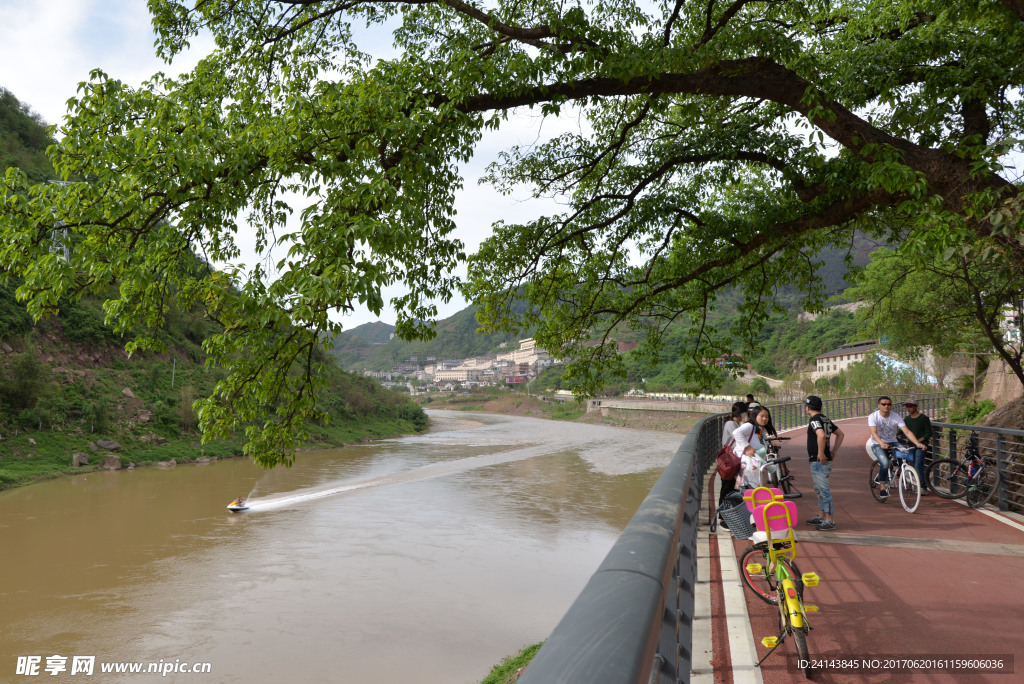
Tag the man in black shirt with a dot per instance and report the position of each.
(819, 429)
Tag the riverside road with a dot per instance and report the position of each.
(905, 597)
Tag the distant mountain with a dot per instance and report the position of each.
(357, 349)
(377, 332)
(23, 139)
(368, 346)
(834, 272)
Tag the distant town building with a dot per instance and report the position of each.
(842, 357)
(511, 367)
(729, 361)
(851, 307)
(458, 375)
(379, 375)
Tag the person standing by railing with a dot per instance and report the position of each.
(736, 419)
(751, 449)
(819, 431)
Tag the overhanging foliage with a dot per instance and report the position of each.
(722, 144)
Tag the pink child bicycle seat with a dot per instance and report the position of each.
(761, 496)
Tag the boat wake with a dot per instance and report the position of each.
(439, 469)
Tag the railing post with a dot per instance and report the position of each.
(1004, 505)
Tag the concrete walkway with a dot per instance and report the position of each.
(942, 584)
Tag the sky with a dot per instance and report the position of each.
(47, 49)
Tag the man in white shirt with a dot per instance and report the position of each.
(884, 426)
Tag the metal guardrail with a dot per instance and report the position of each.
(633, 620)
(999, 446)
(789, 416)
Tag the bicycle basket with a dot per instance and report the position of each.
(738, 520)
(904, 454)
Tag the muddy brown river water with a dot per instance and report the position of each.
(423, 559)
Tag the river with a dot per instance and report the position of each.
(423, 559)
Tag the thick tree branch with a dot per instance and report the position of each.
(976, 120)
(756, 77)
(1015, 6)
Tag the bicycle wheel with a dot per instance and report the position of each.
(785, 479)
(947, 478)
(982, 486)
(876, 489)
(910, 488)
(761, 583)
(800, 639)
(765, 586)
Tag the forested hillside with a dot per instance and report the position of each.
(23, 138)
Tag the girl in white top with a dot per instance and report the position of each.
(750, 448)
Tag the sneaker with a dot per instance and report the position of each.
(816, 520)
(883, 495)
(925, 492)
(827, 525)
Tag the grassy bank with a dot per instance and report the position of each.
(32, 456)
(508, 670)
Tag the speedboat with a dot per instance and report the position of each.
(237, 506)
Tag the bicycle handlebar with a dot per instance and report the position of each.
(776, 439)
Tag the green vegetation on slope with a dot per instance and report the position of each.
(23, 139)
(503, 672)
(369, 346)
(58, 397)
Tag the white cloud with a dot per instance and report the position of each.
(49, 48)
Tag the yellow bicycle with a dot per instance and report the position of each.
(774, 519)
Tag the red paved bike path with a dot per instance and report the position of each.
(942, 582)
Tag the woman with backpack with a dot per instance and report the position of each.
(736, 419)
(750, 447)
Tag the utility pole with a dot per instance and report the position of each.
(975, 355)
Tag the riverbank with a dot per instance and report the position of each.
(35, 456)
(534, 407)
(510, 669)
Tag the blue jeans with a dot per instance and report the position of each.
(883, 461)
(820, 473)
(919, 466)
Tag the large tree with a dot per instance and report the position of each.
(720, 144)
(949, 305)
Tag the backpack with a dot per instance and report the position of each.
(728, 462)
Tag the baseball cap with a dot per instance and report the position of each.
(910, 403)
(814, 402)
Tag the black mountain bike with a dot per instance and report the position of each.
(781, 478)
(970, 477)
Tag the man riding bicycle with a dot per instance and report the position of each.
(884, 426)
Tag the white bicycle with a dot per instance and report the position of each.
(902, 475)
